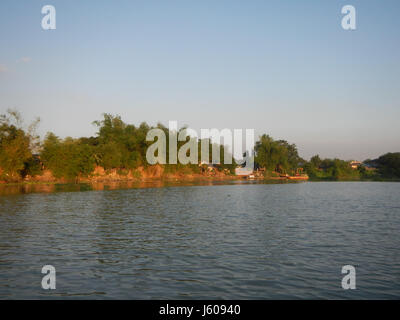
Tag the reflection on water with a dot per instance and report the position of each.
(233, 241)
(14, 189)
(49, 188)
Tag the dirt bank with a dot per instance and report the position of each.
(151, 173)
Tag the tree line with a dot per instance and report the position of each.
(122, 146)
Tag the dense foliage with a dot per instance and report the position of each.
(388, 165)
(277, 155)
(68, 158)
(331, 169)
(117, 145)
(16, 146)
(122, 146)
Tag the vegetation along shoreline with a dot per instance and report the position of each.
(118, 153)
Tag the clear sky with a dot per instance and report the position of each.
(286, 68)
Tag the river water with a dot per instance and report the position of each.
(229, 241)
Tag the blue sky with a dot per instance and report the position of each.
(286, 68)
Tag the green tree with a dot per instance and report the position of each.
(276, 155)
(68, 158)
(389, 165)
(316, 161)
(16, 145)
(120, 145)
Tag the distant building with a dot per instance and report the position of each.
(370, 165)
(355, 164)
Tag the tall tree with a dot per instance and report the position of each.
(16, 144)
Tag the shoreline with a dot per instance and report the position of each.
(42, 187)
(158, 176)
(176, 180)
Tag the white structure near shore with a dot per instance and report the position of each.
(243, 171)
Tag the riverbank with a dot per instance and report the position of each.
(141, 174)
(155, 176)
